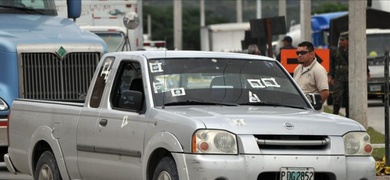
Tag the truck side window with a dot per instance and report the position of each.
(128, 87)
(100, 83)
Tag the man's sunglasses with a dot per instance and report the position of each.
(302, 52)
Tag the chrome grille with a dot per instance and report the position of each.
(292, 142)
(46, 76)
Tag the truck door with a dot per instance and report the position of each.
(118, 143)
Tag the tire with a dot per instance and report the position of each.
(47, 168)
(3, 151)
(166, 170)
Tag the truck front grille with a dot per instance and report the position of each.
(46, 76)
(291, 142)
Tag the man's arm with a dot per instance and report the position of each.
(324, 95)
(321, 80)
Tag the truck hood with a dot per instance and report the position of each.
(266, 120)
(39, 29)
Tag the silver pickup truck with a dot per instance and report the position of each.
(169, 115)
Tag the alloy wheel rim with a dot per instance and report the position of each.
(45, 173)
(164, 175)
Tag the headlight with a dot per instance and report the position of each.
(3, 105)
(357, 143)
(214, 142)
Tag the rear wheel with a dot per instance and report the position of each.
(47, 168)
(166, 170)
(3, 151)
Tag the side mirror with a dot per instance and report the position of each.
(74, 8)
(315, 100)
(131, 20)
(132, 100)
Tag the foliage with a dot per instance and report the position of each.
(331, 7)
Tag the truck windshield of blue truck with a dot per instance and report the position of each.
(222, 81)
(44, 7)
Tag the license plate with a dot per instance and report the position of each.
(296, 173)
(375, 88)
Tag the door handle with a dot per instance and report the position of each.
(103, 122)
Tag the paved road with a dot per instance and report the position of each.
(6, 175)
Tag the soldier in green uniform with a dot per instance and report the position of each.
(338, 74)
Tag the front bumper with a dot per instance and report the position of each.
(224, 167)
(375, 88)
(9, 164)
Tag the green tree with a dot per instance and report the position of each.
(330, 7)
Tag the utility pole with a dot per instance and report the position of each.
(149, 26)
(282, 12)
(177, 26)
(139, 42)
(239, 11)
(258, 9)
(357, 62)
(202, 14)
(305, 20)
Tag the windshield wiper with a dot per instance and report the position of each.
(264, 103)
(22, 8)
(196, 102)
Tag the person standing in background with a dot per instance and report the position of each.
(310, 75)
(338, 74)
(287, 44)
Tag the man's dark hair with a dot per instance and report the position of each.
(307, 44)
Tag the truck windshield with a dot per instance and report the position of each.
(45, 7)
(378, 44)
(214, 81)
(113, 39)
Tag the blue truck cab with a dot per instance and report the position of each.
(43, 56)
(320, 24)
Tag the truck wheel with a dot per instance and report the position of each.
(166, 170)
(47, 168)
(3, 150)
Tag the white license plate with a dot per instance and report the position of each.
(295, 173)
(375, 88)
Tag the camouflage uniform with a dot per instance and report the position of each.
(339, 72)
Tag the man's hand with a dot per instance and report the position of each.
(330, 80)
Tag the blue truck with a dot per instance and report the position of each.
(320, 26)
(43, 56)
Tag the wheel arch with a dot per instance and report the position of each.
(43, 140)
(161, 145)
(154, 159)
